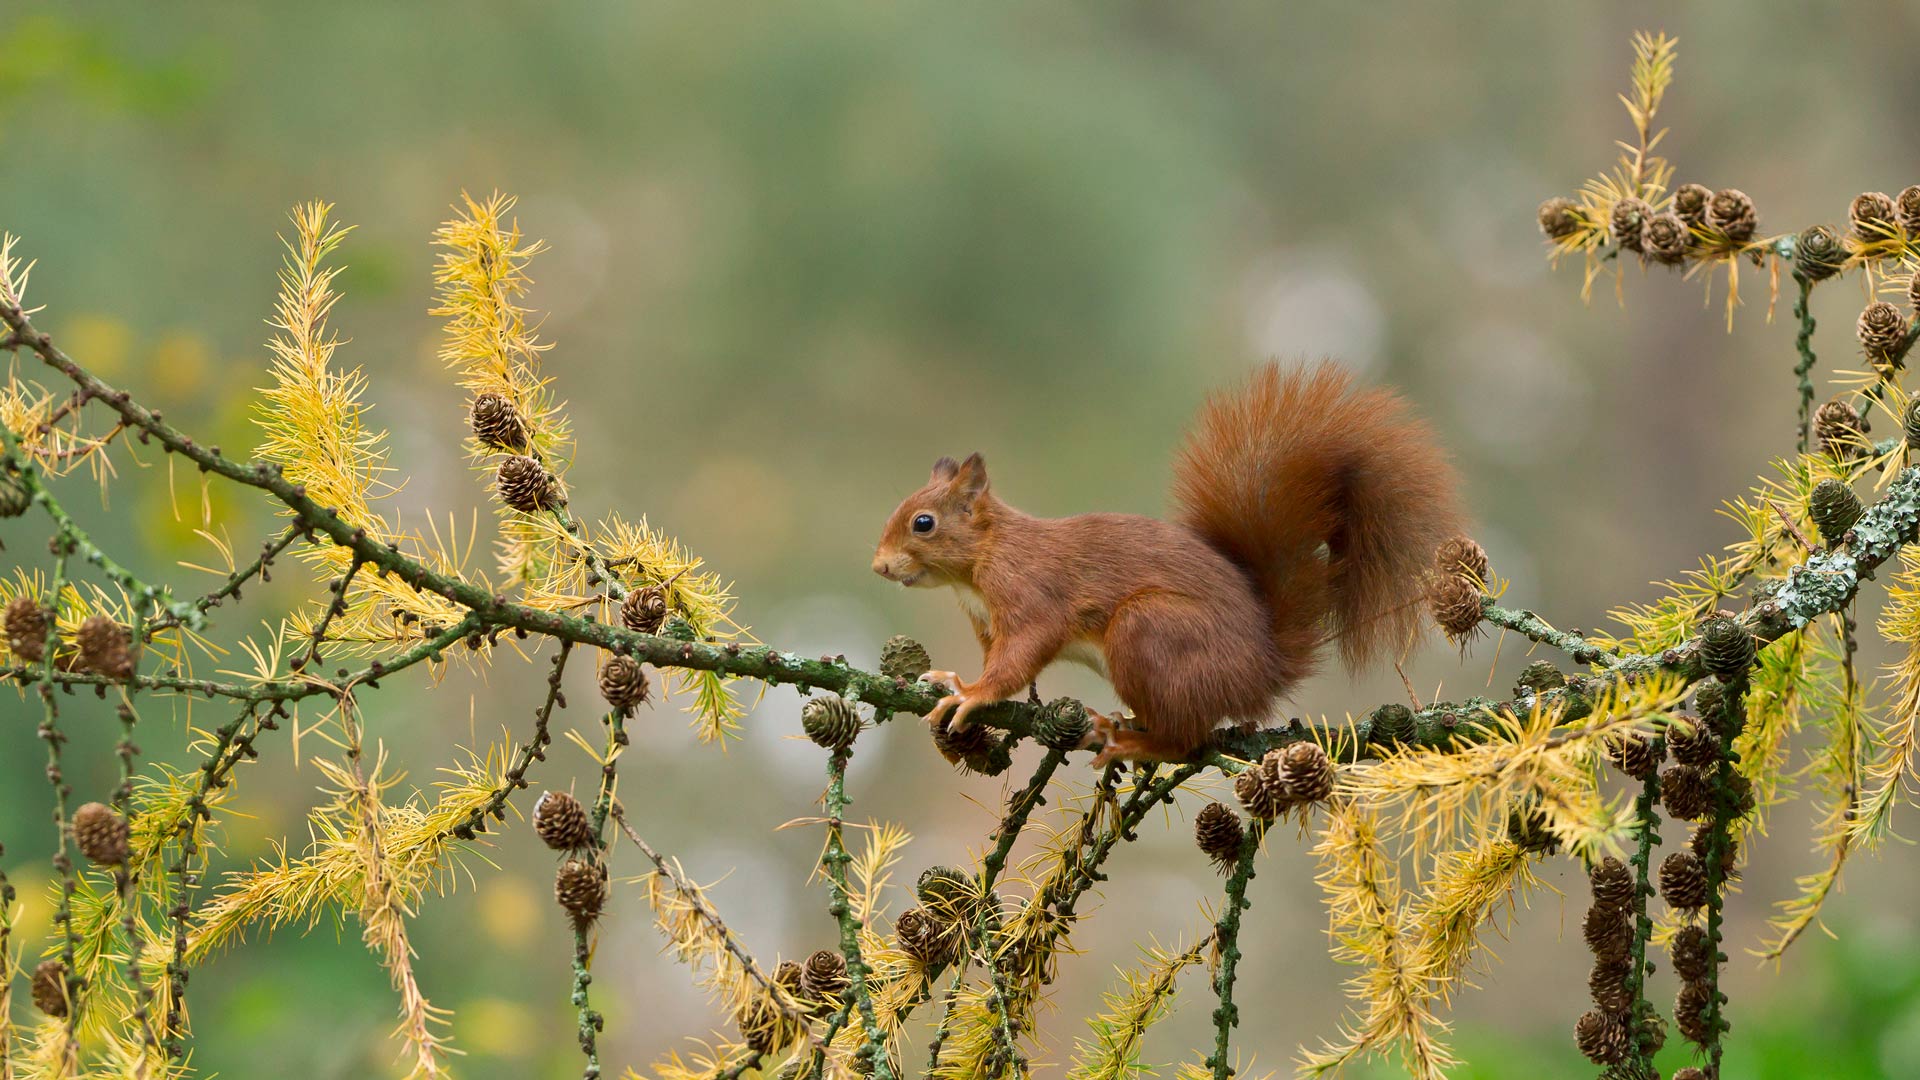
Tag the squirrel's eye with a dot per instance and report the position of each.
(923, 523)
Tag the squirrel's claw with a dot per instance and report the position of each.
(967, 705)
(942, 707)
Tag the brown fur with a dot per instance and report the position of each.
(1309, 509)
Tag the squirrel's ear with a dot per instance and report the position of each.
(945, 469)
(971, 481)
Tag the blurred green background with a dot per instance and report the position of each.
(798, 252)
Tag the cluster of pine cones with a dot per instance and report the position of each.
(580, 882)
(1606, 1034)
(1698, 219)
(1298, 774)
(101, 834)
(1701, 221)
(1873, 220)
(1696, 787)
(521, 480)
(1687, 877)
(1841, 432)
(932, 933)
(1460, 576)
(102, 646)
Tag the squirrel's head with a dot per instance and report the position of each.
(934, 535)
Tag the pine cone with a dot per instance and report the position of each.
(1690, 203)
(971, 743)
(1461, 555)
(786, 975)
(830, 721)
(759, 1021)
(1873, 216)
(1690, 1010)
(1913, 292)
(1635, 756)
(1818, 254)
(1608, 932)
(101, 834)
(1906, 209)
(1538, 677)
(824, 975)
(1709, 698)
(497, 423)
(1218, 831)
(1260, 790)
(1691, 953)
(1306, 772)
(623, 682)
(1612, 884)
(1063, 725)
(1527, 828)
(1685, 793)
(1693, 741)
(904, 658)
(106, 647)
(1391, 724)
(1834, 508)
(764, 1025)
(1629, 217)
(526, 485)
(1665, 239)
(946, 892)
(1653, 1027)
(26, 624)
(561, 822)
(1559, 218)
(1882, 331)
(1691, 1072)
(1702, 838)
(1455, 603)
(644, 609)
(1740, 795)
(50, 988)
(1607, 984)
(1683, 881)
(1726, 647)
(1839, 430)
(924, 937)
(1603, 1037)
(14, 497)
(1731, 211)
(581, 887)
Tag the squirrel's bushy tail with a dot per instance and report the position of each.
(1333, 496)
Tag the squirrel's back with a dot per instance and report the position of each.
(1333, 496)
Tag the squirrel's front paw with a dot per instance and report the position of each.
(957, 699)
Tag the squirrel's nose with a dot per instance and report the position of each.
(881, 567)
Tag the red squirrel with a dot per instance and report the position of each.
(1308, 510)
